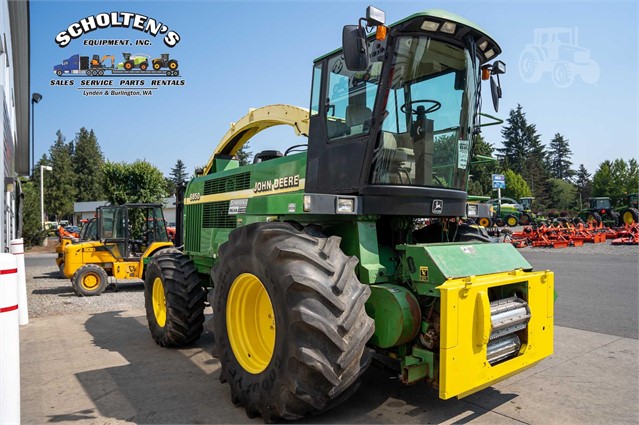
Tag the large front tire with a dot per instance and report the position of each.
(89, 280)
(311, 328)
(174, 299)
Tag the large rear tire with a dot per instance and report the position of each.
(630, 216)
(174, 299)
(525, 219)
(307, 349)
(593, 218)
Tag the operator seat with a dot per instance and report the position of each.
(356, 116)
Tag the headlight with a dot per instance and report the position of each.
(345, 206)
(307, 203)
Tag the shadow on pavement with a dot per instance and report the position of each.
(157, 385)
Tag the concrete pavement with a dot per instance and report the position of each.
(105, 368)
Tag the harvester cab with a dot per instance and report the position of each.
(118, 243)
(310, 256)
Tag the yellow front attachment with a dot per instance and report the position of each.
(466, 329)
(250, 323)
(159, 302)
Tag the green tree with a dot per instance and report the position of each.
(602, 181)
(516, 186)
(584, 184)
(559, 164)
(32, 232)
(524, 154)
(480, 181)
(59, 184)
(136, 182)
(632, 179)
(562, 194)
(615, 179)
(88, 162)
(243, 155)
(177, 177)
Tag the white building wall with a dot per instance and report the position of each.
(8, 123)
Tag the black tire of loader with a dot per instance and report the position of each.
(184, 298)
(321, 325)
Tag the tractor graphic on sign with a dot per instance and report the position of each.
(556, 50)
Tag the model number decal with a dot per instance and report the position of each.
(195, 196)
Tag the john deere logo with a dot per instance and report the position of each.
(438, 206)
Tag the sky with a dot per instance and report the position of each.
(236, 55)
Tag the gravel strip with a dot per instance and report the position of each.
(49, 295)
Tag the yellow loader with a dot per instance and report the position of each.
(127, 237)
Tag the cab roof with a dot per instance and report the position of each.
(414, 22)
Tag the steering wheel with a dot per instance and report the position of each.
(435, 106)
(296, 148)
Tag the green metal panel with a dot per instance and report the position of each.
(429, 265)
(396, 313)
(359, 238)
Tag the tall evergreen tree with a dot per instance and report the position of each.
(524, 154)
(559, 164)
(513, 154)
(59, 184)
(88, 162)
(583, 183)
(177, 177)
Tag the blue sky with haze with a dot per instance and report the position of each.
(238, 55)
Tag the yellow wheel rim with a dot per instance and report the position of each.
(250, 323)
(484, 222)
(628, 218)
(512, 221)
(159, 302)
(172, 66)
(90, 281)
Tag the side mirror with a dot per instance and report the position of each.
(495, 91)
(355, 48)
(497, 68)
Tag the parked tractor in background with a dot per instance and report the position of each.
(630, 211)
(527, 215)
(599, 210)
(126, 237)
(507, 213)
(481, 213)
(164, 62)
(310, 257)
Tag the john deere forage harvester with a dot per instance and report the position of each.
(310, 258)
